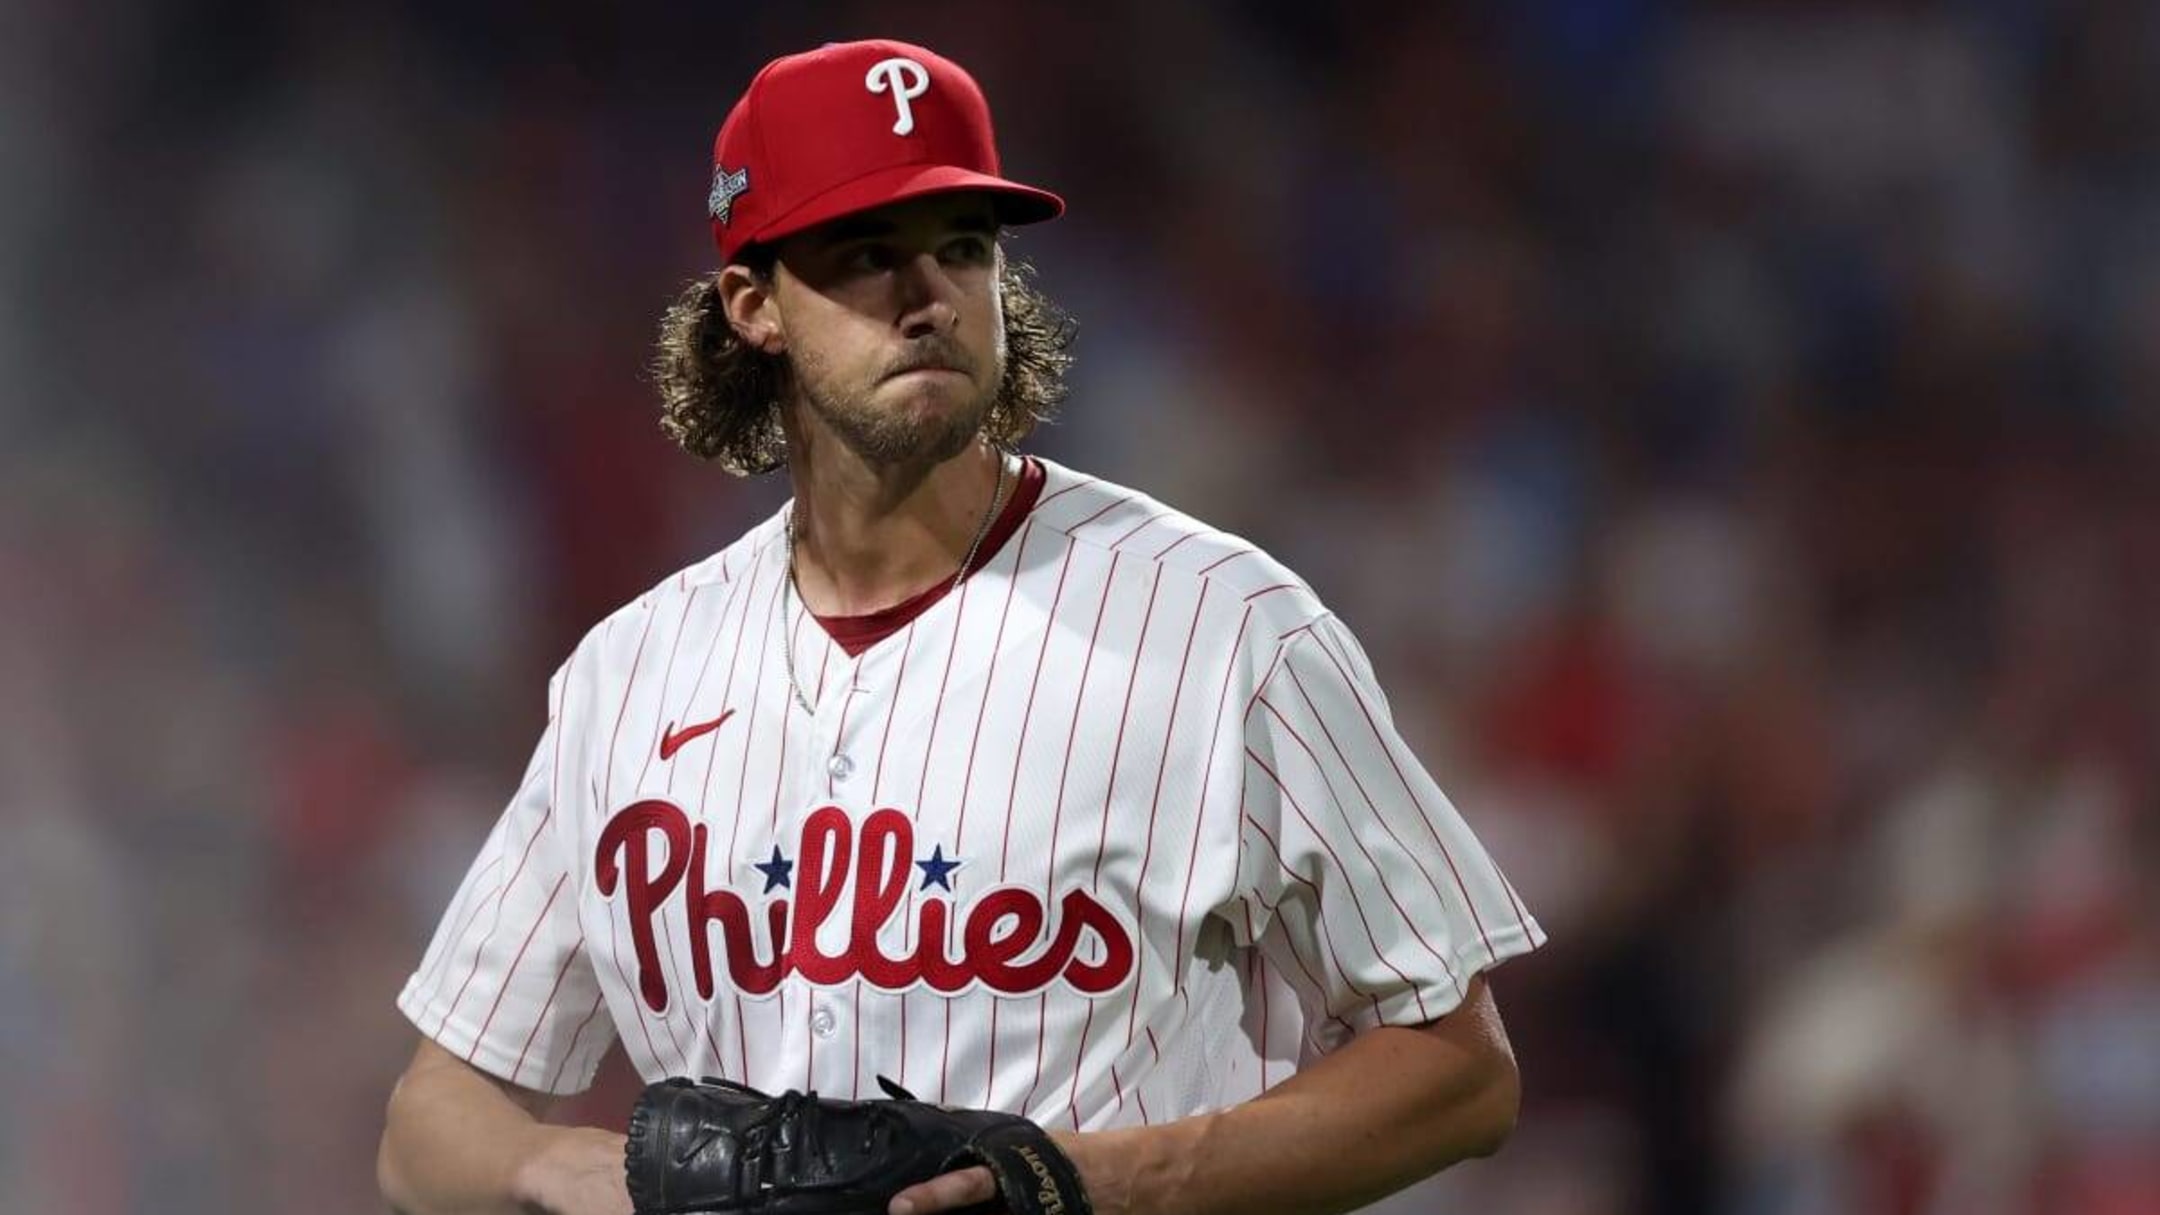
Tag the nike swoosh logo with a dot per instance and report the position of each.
(673, 739)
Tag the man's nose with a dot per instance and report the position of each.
(928, 297)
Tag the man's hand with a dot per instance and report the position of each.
(1094, 1155)
(574, 1171)
(964, 1188)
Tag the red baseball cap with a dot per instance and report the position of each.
(848, 127)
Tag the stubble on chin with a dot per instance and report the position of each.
(884, 437)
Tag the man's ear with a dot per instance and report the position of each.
(752, 312)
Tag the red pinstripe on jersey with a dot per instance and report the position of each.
(667, 675)
(645, 767)
(1027, 718)
(787, 711)
(560, 724)
(442, 959)
(1225, 559)
(1255, 982)
(1140, 1098)
(1139, 527)
(1297, 955)
(481, 950)
(1099, 514)
(1027, 715)
(997, 650)
(831, 780)
(682, 1001)
(1326, 934)
(1174, 545)
(1117, 752)
(1177, 694)
(605, 798)
(554, 989)
(1357, 904)
(1054, 495)
(615, 954)
(743, 591)
(607, 783)
(877, 778)
(555, 729)
(1469, 903)
(744, 634)
(1117, 749)
(515, 962)
(757, 702)
(1350, 832)
(824, 665)
(967, 782)
(1057, 812)
(570, 1051)
(1192, 858)
(937, 718)
(1102, 837)
(1087, 666)
(960, 829)
(937, 715)
(1522, 917)
(1351, 770)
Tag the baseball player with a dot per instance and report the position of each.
(1010, 784)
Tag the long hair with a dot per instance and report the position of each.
(720, 398)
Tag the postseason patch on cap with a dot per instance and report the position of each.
(725, 187)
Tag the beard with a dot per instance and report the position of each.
(883, 436)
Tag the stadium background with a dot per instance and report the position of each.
(1731, 428)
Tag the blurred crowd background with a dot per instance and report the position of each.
(1734, 431)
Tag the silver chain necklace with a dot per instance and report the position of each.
(789, 590)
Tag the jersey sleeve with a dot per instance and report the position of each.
(507, 984)
(1361, 882)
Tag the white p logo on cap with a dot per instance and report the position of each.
(905, 79)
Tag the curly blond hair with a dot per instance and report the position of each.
(720, 398)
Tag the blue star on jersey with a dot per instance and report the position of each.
(778, 871)
(937, 870)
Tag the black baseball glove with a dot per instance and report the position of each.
(720, 1147)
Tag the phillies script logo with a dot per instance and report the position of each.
(1006, 939)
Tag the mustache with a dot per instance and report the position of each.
(934, 353)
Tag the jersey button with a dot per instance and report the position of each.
(841, 767)
(823, 1022)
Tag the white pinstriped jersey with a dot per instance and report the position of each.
(1119, 831)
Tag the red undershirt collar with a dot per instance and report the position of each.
(858, 633)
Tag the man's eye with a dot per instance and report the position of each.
(870, 258)
(970, 251)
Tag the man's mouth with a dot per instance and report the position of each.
(931, 367)
(933, 356)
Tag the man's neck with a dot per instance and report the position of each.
(869, 536)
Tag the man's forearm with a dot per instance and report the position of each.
(456, 1142)
(1390, 1108)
